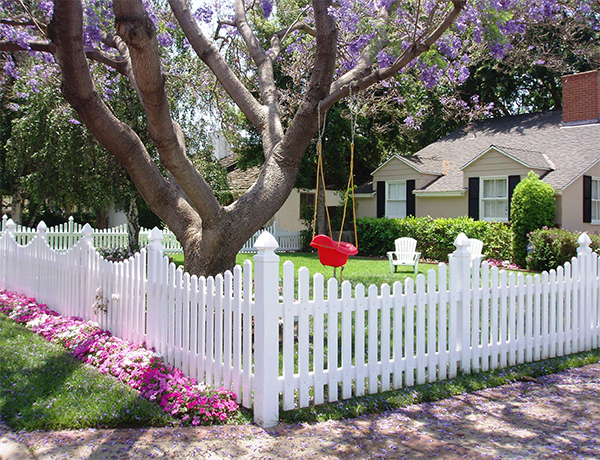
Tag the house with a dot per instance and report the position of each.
(289, 216)
(473, 171)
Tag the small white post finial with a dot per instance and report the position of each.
(42, 228)
(584, 242)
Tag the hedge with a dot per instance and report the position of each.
(435, 237)
(549, 248)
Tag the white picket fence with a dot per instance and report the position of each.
(279, 344)
(64, 236)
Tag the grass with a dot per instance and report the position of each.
(43, 387)
(429, 392)
(358, 270)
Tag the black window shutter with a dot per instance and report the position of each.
(512, 183)
(587, 199)
(381, 199)
(474, 197)
(410, 198)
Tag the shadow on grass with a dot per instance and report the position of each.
(44, 387)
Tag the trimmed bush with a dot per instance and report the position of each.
(549, 248)
(532, 207)
(435, 237)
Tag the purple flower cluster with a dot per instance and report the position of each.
(134, 365)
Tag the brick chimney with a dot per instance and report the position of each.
(581, 98)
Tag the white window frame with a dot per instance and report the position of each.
(483, 199)
(596, 201)
(402, 183)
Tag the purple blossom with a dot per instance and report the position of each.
(204, 14)
(267, 7)
(132, 364)
(165, 39)
(10, 68)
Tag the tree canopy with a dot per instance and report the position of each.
(279, 63)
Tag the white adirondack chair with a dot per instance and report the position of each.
(405, 254)
(475, 249)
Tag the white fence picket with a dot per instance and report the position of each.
(331, 344)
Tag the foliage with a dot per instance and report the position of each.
(532, 207)
(435, 237)
(550, 248)
(43, 387)
(134, 365)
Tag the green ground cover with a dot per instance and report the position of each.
(43, 387)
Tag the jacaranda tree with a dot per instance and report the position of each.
(328, 48)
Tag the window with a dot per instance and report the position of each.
(595, 200)
(395, 206)
(494, 199)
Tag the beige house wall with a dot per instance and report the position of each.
(366, 207)
(571, 205)
(440, 206)
(493, 164)
(398, 170)
(288, 216)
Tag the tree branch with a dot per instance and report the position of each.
(136, 29)
(65, 31)
(209, 54)
(339, 92)
(42, 46)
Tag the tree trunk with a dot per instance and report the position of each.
(133, 225)
(322, 224)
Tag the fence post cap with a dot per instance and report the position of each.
(87, 231)
(10, 225)
(266, 242)
(584, 242)
(155, 235)
(42, 227)
(71, 219)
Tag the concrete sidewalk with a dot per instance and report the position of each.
(557, 416)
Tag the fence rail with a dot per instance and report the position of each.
(319, 341)
(64, 236)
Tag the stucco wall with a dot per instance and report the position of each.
(366, 207)
(442, 206)
(398, 170)
(288, 216)
(572, 205)
(494, 163)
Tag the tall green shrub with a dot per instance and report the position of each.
(532, 207)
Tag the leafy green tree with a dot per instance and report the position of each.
(532, 207)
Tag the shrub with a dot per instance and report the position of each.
(549, 248)
(435, 237)
(532, 207)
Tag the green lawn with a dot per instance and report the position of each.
(43, 387)
(361, 270)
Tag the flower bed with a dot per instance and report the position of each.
(134, 365)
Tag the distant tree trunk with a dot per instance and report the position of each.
(133, 225)
(101, 218)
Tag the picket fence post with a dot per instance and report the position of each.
(266, 331)
(586, 311)
(4, 220)
(463, 291)
(155, 250)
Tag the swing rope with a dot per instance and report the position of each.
(321, 174)
(350, 188)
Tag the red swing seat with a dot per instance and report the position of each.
(333, 253)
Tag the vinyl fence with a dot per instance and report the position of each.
(296, 341)
(64, 236)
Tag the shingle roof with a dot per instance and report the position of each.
(569, 150)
